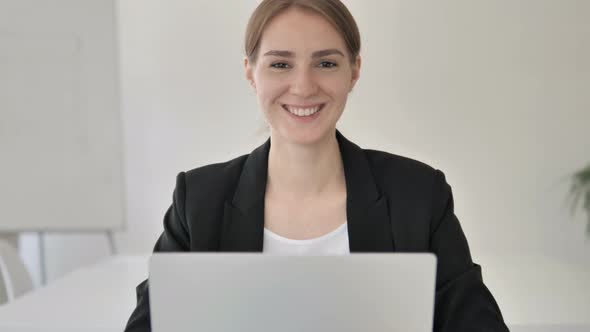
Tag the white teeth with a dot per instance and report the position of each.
(302, 111)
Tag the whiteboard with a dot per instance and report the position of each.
(60, 120)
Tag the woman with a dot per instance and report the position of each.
(308, 190)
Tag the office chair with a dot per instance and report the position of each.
(15, 280)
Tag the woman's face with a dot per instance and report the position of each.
(302, 68)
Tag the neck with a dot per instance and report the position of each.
(305, 170)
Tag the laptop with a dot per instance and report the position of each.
(255, 292)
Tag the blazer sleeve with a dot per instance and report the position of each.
(462, 301)
(175, 237)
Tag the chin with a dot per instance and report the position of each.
(305, 137)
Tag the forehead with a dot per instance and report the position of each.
(300, 31)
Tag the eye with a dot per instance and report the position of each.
(328, 64)
(279, 65)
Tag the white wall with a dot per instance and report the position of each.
(494, 93)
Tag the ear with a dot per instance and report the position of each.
(248, 72)
(356, 72)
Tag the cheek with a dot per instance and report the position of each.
(269, 88)
(337, 88)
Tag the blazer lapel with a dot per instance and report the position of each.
(369, 228)
(243, 216)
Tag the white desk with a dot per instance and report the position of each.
(98, 298)
(534, 293)
(539, 291)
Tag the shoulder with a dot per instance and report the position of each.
(399, 175)
(386, 160)
(212, 180)
(388, 165)
(217, 171)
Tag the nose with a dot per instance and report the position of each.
(304, 84)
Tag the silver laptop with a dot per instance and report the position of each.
(253, 292)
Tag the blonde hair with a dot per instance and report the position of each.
(333, 11)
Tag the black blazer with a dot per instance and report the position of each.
(394, 204)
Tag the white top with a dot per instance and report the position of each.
(333, 243)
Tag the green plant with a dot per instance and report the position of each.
(580, 191)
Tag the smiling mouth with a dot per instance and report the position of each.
(303, 111)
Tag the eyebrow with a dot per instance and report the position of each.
(316, 54)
